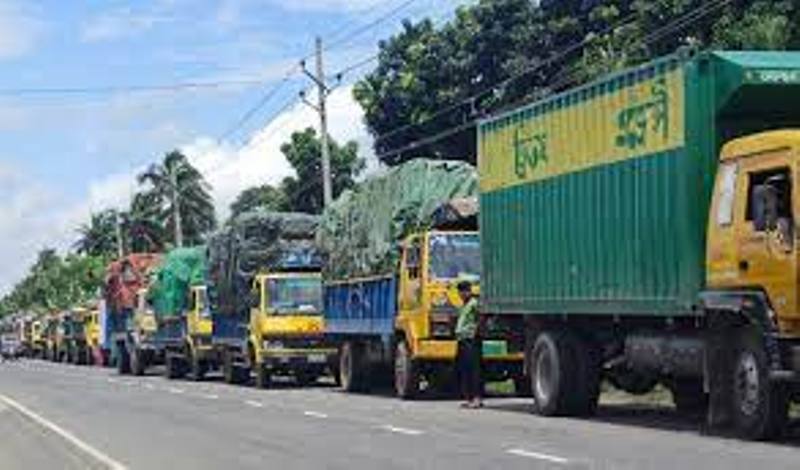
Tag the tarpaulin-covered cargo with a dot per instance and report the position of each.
(181, 269)
(253, 242)
(358, 233)
(596, 200)
(125, 277)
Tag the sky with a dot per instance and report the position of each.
(73, 135)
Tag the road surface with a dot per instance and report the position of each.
(72, 417)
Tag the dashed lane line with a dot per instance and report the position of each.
(66, 435)
(175, 390)
(253, 403)
(315, 414)
(538, 456)
(399, 430)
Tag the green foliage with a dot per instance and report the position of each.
(155, 204)
(56, 283)
(264, 196)
(303, 192)
(98, 237)
(431, 83)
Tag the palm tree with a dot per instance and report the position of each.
(179, 198)
(144, 232)
(98, 237)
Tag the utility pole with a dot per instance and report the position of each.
(176, 207)
(321, 108)
(120, 244)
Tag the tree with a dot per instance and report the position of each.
(141, 225)
(265, 196)
(98, 237)
(432, 84)
(175, 184)
(303, 192)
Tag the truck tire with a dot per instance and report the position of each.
(760, 406)
(351, 367)
(552, 374)
(406, 373)
(233, 373)
(138, 361)
(688, 396)
(123, 361)
(263, 377)
(586, 359)
(174, 366)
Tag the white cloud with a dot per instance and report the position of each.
(121, 23)
(20, 29)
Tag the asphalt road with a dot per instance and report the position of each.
(68, 417)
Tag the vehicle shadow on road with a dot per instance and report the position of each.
(662, 418)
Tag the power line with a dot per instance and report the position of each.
(372, 24)
(114, 89)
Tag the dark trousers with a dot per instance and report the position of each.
(468, 367)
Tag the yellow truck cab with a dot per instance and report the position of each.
(37, 339)
(286, 328)
(91, 327)
(432, 263)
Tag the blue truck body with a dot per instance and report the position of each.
(361, 307)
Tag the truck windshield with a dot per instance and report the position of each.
(295, 295)
(455, 255)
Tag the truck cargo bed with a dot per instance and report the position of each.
(365, 306)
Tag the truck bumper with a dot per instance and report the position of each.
(298, 358)
(445, 350)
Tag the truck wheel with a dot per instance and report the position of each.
(552, 374)
(406, 373)
(689, 396)
(760, 406)
(263, 377)
(351, 367)
(586, 359)
(138, 361)
(123, 361)
(175, 368)
(232, 373)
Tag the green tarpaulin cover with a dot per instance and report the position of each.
(358, 233)
(181, 269)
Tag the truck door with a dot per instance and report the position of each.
(411, 275)
(765, 228)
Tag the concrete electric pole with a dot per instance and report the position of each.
(176, 207)
(321, 107)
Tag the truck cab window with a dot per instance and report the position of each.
(769, 202)
(413, 259)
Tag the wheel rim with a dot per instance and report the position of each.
(544, 375)
(748, 383)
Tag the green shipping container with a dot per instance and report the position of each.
(595, 201)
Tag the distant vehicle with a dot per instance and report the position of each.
(10, 347)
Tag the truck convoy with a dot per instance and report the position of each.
(643, 228)
(266, 299)
(389, 280)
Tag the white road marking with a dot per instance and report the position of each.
(150, 386)
(538, 456)
(175, 390)
(112, 380)
(256, 404)
(66, 435)
(398, 430)
(315, 414)
(211, 396)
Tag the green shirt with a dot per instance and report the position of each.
(467, 323)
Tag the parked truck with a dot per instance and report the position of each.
(73, 347)
(267, 299)
(643, 229)
(129, 320)
(390, 276)
(182, 335)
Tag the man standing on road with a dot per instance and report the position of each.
(468, 358)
